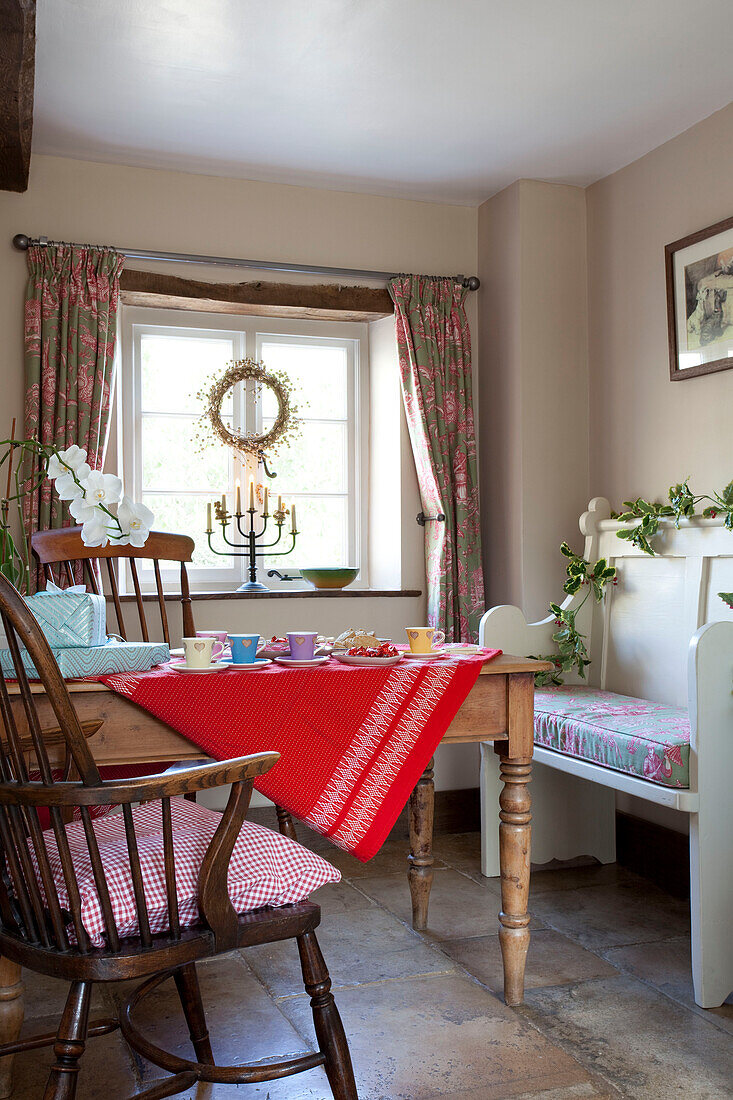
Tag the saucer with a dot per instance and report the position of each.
(220, 666)
(291, 662)
(433, 655)
(248, 667)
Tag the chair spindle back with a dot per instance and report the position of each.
(30, 908)
(63, 548)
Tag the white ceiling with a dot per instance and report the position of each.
(446, 100)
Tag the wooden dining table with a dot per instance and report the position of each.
(498, 709)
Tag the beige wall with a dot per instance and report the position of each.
(176, 212)
(647, 432)
(533, 411)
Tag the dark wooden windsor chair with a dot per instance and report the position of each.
(35, 931)
(64, 549)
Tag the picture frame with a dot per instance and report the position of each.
(699, 280)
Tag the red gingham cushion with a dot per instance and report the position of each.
(265, 869)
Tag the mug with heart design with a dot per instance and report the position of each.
(244, 648)
(302, 645)
(197, 652)
(424, 639)
(220, 642)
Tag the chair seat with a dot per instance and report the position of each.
(266, 869)
(636, 736)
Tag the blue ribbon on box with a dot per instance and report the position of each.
(70, 617)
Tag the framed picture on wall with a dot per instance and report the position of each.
(700, 301)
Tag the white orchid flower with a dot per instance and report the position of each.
(68, 487)
(83, 511)
(73, 458)
(136, 521)
(101, 489)
(94, 532)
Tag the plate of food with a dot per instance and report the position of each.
(382, 656)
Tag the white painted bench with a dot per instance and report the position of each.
(662, 634)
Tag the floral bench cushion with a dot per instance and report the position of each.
(649, 740)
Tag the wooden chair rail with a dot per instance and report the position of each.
(146, 788)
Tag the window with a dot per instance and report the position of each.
(168, 357)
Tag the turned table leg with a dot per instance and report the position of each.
(514, 859)
(420, 860)
(12, 1009)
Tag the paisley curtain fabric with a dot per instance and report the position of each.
(70, 325)
(434, 347)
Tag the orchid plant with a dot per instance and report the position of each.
(95, 500)
(91, 495)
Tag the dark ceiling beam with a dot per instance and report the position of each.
(325, 301)
(17, 73)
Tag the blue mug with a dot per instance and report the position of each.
(244, 648)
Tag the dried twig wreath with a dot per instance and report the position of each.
(248, 443)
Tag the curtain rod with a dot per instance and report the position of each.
(23, 242)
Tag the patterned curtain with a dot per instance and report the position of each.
(435, 365)
(70, 325)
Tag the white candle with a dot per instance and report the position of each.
(279, 504)
(292, 519)
(267, 502)
(224, 504)
(238, 506)
(251, 494)
(209, 528)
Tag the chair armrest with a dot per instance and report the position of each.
(147, 788)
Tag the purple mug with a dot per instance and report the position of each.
(302, 645)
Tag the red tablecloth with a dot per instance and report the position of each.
(353, 741)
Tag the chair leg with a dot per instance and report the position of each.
(329, 1029)
(70, 1042)
(187, 983)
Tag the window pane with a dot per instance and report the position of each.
(315, 462)
(319, 377)
(175, 368)
(323, 538)
(187, 515)
(170, 458)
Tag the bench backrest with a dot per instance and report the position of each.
(641, 633)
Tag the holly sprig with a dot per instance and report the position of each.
(572, 652)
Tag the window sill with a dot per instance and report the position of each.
(292, 593)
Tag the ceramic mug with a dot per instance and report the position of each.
(198, 651)
(220, 642)
(424, 639)
(244, 648)
(302, 645)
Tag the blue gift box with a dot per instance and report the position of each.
(79, 661)
(70, 617)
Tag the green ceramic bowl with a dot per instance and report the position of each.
(335, 577)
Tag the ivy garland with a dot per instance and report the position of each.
(572, 651)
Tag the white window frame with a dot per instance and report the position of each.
(248, 334)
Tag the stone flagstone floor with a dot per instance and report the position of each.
(609, 1010)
